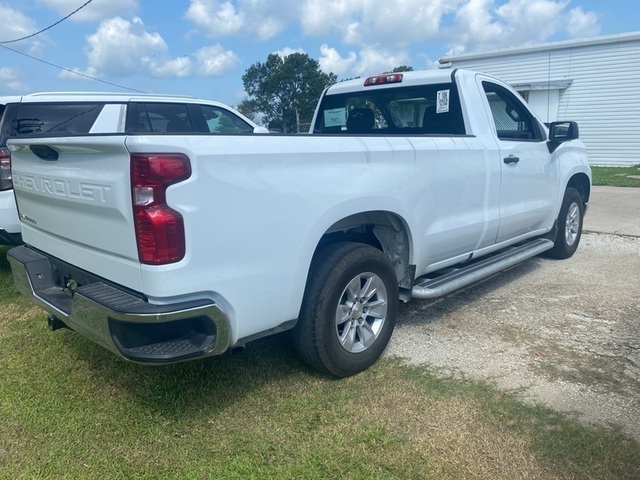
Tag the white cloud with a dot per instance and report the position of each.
(16, 25)
(464, 25)
(286, 51)
(215, 60)
(358, 36)
(368, 21)
(253, 19)
(582, 24)
(172, 67)
(118, 45)
(373, 59)
(10, 79)
(269, 28)
(120, 48)
(480, 25)
(475, 23)
(457, 50)
(217, 19)
(531, 20)
(332, 62)
(316, 14)
(96, 10)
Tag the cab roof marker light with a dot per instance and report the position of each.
(383, 79)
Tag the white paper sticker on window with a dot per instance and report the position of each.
(443, 101)
(336, 117)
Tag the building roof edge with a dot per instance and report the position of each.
(541, 47)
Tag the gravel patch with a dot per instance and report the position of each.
(564, 333)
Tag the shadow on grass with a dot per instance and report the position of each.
(271, 364)
(184, 390)
(4, 263)
(177, 390)
(187, 389)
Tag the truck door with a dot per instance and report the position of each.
(529, 174)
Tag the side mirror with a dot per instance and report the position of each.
(261, 130)
(561, 132)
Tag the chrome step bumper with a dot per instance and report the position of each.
(120, 320)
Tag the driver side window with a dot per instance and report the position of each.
(513, 121)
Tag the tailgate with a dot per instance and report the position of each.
(76, 205)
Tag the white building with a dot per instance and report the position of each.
(594, 81)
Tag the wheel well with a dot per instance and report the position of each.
(383, 230)
(580, 182)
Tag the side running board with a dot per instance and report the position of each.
(466, 274)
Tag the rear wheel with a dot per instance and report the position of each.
(349, 310)
(569, 225)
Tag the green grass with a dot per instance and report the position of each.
(616, 176)
(69, 409)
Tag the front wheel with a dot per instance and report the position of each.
(349, 309)
(569, 225)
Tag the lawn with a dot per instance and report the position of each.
(69, 409)
(616, 176)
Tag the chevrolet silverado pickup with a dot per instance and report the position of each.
(175, 243)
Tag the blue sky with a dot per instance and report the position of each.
(203, 47)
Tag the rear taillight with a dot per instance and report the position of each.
(5, 169)
(159, 228)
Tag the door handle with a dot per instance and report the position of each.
(511, 159)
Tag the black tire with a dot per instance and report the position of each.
(569, 230)
(350, 343)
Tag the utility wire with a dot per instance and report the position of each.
(71, 71)
(50, 26)
(3, 45)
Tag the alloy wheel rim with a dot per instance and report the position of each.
(572, 224)
(361, 312)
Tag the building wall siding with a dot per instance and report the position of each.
(604, 96)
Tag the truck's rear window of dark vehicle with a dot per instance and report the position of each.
(177, 118)
(417, 110)
(22, 119)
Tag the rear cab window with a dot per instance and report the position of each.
(173, 118)
(33, 119)
(55, 119)
(414, 110)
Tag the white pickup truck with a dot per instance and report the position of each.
(178, 244)
(9, 222)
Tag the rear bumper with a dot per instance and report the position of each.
(120, 320)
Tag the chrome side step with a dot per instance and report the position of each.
(456, 278)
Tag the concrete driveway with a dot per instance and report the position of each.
(565, 333)
(614, 210)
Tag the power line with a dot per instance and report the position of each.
(3, 45)
(50, 26)
(72, 71)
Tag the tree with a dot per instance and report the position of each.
(403, 68)
(284, 91)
